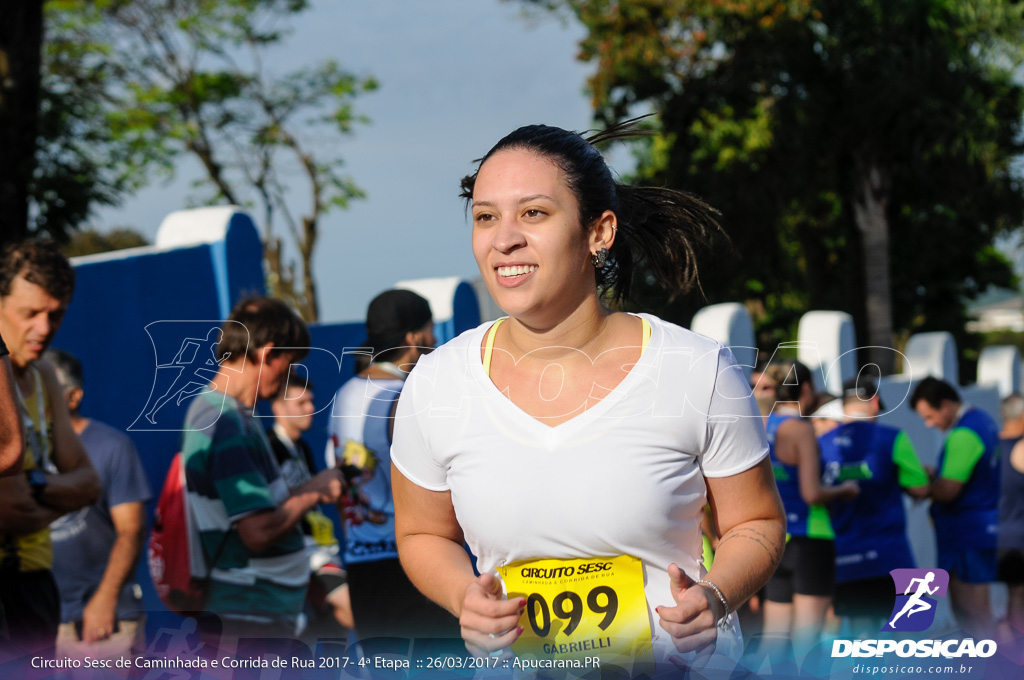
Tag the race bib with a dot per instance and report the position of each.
(593, 607)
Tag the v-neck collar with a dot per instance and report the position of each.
(553, 434)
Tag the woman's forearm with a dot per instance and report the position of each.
(746, 557)
(439, 567)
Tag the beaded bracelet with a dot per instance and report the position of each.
(721, 598)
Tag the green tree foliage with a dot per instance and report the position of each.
(860, 150)
(92, 242)
(21, 37)
(154, 81)
(81, 161)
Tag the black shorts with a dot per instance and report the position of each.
(32, 604)
(808, 568)
(322, 583)
(385, 604)
(873, 597)
(1011, 566)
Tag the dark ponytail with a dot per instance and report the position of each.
(661, 231)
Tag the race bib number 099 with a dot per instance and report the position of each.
(581, 608)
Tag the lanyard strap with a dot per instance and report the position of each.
(293, 450)
(391, 369)
(36, 439)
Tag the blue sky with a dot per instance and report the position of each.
(455, 76)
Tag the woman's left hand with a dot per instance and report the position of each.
(692, 622)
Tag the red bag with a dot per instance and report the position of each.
(173, 546)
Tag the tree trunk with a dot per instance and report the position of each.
(21, 40)
(311, 311)
(870, 212)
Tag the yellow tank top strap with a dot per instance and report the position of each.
(489, 344)
(489, 341)
(38, 423)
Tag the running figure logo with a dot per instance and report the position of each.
(186, 361)
(197, 364)
(914, 610)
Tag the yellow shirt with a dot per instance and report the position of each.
(32, 552)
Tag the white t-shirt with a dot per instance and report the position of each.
(361, 416)
(626, 476)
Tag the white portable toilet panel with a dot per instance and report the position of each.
(827, 344)
(439, 292)
(932, 354)
(729, 324)
(999, 367)
(985, 397)
(196, 225)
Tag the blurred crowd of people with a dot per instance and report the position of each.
(844, 477)
(73, 490)
(73, 493)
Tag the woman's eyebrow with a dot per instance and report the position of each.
(524, 199)
(534, 197)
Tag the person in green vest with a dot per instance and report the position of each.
(798, 595)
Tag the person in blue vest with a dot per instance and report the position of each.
(1011, 510)
(871, 531)
(798, 595)
(965, 499)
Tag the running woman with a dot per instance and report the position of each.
(574, 447)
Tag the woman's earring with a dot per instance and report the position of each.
(600, 258)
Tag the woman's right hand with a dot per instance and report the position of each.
(489, 623)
